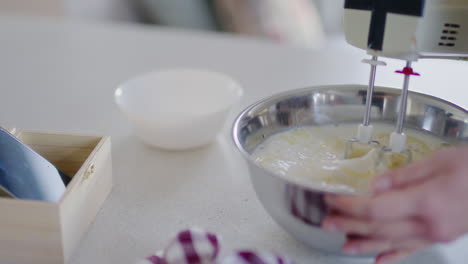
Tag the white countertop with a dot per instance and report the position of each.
(60, 76)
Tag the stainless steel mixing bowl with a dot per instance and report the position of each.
(298, 207)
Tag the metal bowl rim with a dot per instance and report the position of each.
(247, 156)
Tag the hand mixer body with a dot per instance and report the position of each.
(408, 29)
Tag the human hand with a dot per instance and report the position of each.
(410, 208)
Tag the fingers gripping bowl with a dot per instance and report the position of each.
(298, 205)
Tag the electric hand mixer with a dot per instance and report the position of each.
(408, 30)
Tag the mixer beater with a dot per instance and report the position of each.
(363, 142)
(396, 153)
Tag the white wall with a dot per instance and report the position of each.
(331, 12)
(32, 7)
(114, 10)
(126, 10)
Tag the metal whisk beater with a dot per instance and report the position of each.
(362, 143)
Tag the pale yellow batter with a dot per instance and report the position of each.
(314, 154)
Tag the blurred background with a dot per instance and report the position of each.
(295, 22)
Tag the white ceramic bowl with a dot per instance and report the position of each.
(178, 108)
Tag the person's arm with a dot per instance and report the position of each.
(410, 208)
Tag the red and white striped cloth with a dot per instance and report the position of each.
(255, 257)
(153, 259)
(192, 246)
(196, 246)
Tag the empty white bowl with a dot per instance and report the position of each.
(178, 108)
